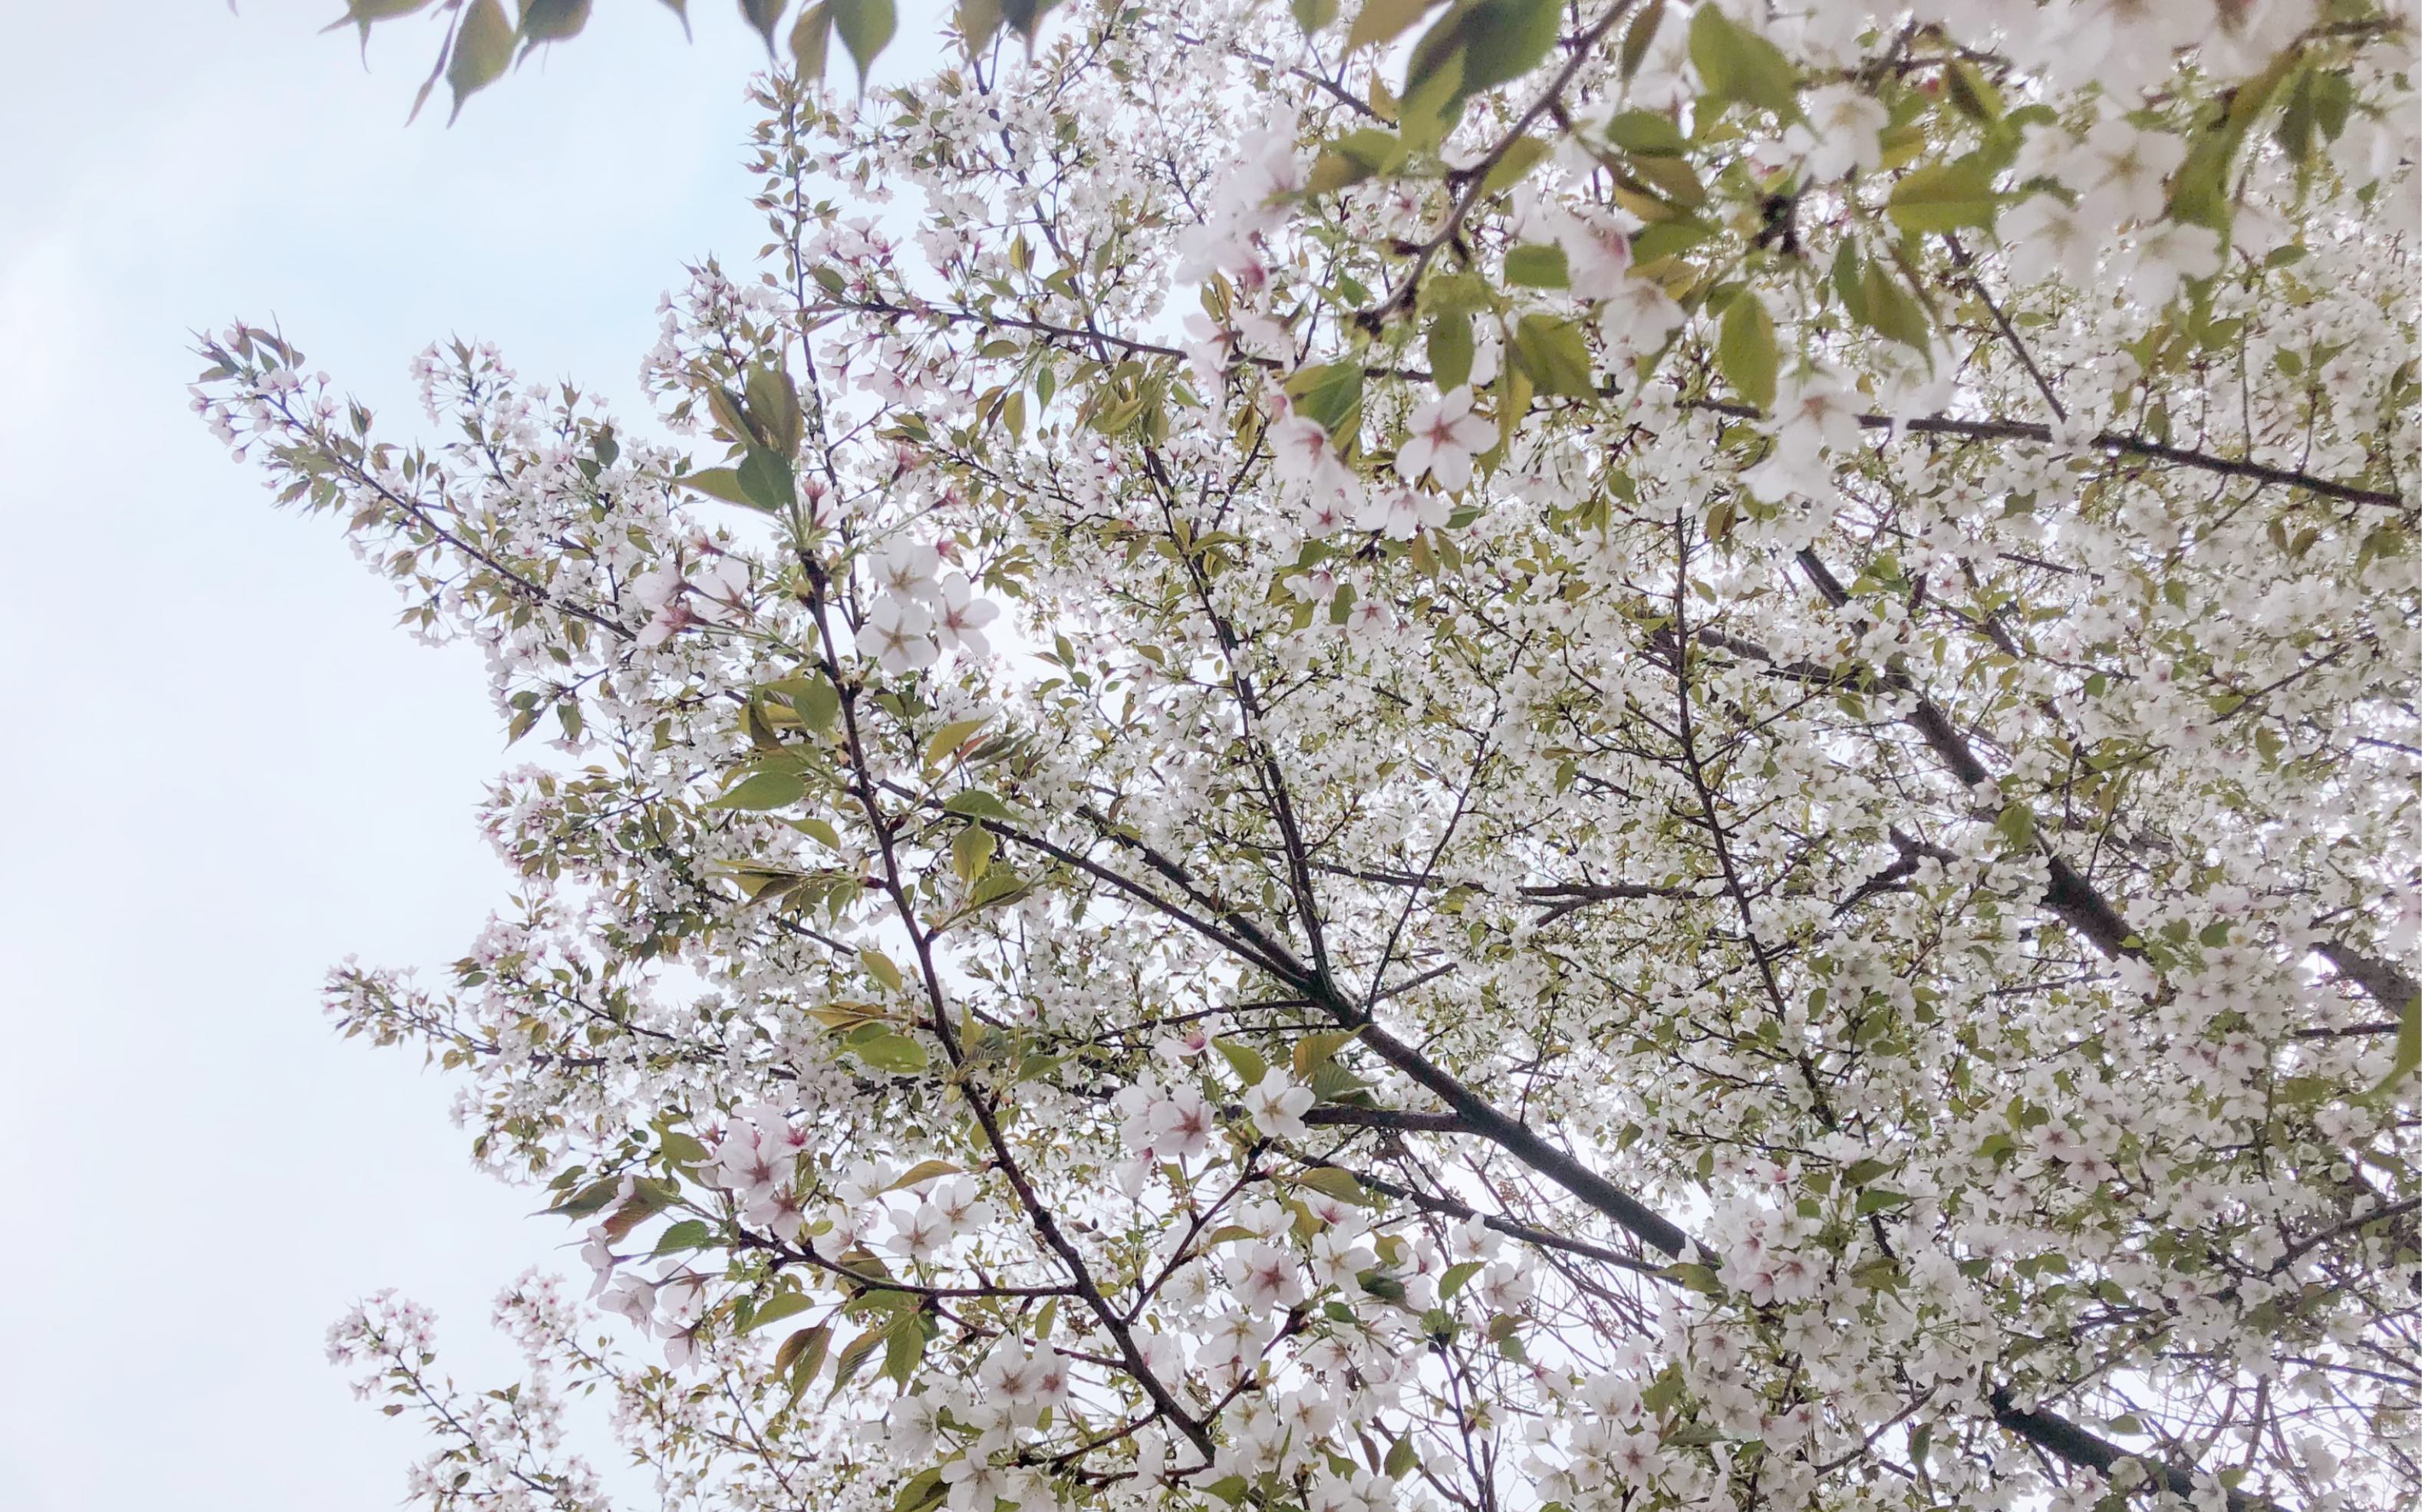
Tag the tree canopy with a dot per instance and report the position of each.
(1498, 756)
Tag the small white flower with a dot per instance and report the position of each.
(900, 634)
(959, 616)
(1445, 434)
(1845, 131)
(1278, 1105)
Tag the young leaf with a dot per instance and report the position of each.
(1537, 265)
(763, 791)
(718, 483)
(812, 40)
(1024, 16)
(890, 1051)
(1243, 1059)
(866, 27)
(1745, 350)
(979, 21)
(765, 480)
(1637, 37)
(948, 739)
(764, 15)
(1311, 15)
(1504, 40)
(1383, 21)
(1943, 197)
(1451, 349)
(774, 404)
(773, 1309)
(805, 1350)
(1551, 352)
(551, 20)
(1737, 64)
(482, 47)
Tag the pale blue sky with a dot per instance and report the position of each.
(227, 768)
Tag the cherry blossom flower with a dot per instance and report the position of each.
(1266, 1277)
(1278, 1104)
(959, 616)
(1843, 133)
(1402, 513)
(900, 632)
(1442, 437)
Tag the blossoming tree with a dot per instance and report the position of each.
(1486, 756)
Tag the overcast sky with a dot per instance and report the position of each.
(227, 768)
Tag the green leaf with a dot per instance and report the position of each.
(765, 481)
(1243, 1059)
(718, 483)
(1537, 265)
(689, 1234)
(813, 696)
(948, 739)
(923, 1171)
(1002, 883)
(903, 1345)
(2408, 1049)
(773, 1309)
(1024, 16)
(363, 13)
(1311, 15)
(811, 41)
(1646, 130)
(1330, 392)
(879, 965)
(853, 1357)
(587, 1200)
(483, 46)
(1736, 64)
(1637, 37)
(1521, 155)
(1879, 1199)
(974, 803)
(1451, 349)
(1699, 1279)
(762, 790)
(1745, 349)
(1667, 238)
(764, 15)
(887, 1050)
(1456, 1278)
(2200, 193)
(1313, 1051)
(1432, 100)
(806, 1349)
(866, 27)
(978, 20)
(774, 404)
(551, 20)
(1503, 39)
(971, 852)
(1943, 197)
(919, 1492)
(2017, 824)
(1891, 310)
(1331, 1182)
(1384, 21)
(1552, 354)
